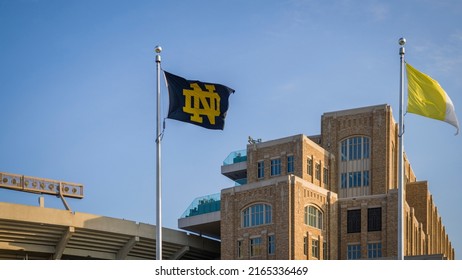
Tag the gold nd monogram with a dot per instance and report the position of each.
(200, 103)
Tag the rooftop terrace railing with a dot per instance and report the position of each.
(236, 157)
(203, 205)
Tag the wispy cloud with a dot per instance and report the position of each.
(378, 10)
(442, 57)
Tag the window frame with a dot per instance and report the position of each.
(353, 251)
(314, 217)
(315, 248)
(317, 171)
(290, 164)
(374, 219)
(354, 221)
(260, 169)
(275, 167)
(255, 247)
(374, 250)
(325, 176)
(271, 244)
(239, 249)
(309, 163)
(256, 214)
(355, 148)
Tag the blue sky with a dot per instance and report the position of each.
(77, 90)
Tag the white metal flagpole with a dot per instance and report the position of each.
(158, 50)
(402, 42)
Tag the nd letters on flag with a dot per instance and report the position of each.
(196, 102)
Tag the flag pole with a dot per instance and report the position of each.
(158, 50)
(402, 42)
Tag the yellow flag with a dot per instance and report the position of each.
(427, 98)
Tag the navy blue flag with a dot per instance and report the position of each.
(200, 103)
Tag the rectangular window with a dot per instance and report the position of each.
(276, 167)
(255, 246)
(325, 176)
(366, 178)
(354, 221)
(355, 148)
(239, 249)
(354, 252)
(324, 251)
(366, 149)
(268, 217)
(290, 164)
(246, 218)
(351, 148)
(305, 245)
(358, 147)
(257, 214)
(354, 179)
(344, 181)
(374, 219)
(271, 245)
(374, 250)
(315, 248)
(260, 169)
(312, 216)
(318, 171)
(344, 150)
(310, 166)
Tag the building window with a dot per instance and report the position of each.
(354, 252)
(325, 176)
(315, 248)
(366, 147)
(255, 246)
(343, 150)
(290, 164)
(305, 245)
(257, 214)
(354, 221)
(355, 148)
(374, 250)
(344, 183)
(309, 163)
(317, 173)
(354, 179)
(313, 217)
(324, 250)
(239, 249)
(374, 219)
(276, 167)
(355, 165)
(366, 178)
(260, 169)
(271, 245)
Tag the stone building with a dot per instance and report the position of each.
(329, 196)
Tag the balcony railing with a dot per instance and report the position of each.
(236, 157)
(203, 205)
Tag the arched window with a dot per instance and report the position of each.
(257, 214)
(355, 148)
(313, 216)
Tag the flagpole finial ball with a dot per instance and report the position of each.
(402, 41)
(158, 49)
